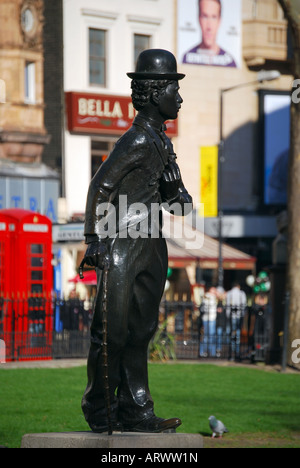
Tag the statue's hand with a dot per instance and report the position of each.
(170, 181)
(96, 256)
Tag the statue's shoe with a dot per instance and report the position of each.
(153, 424)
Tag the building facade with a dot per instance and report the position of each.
(65, 100)
(24, 181)
(90, 45)
(249, 221)
(98, 28)
(101, 41)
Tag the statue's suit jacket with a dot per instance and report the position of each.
(133, 169)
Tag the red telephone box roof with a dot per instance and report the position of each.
(19, 215)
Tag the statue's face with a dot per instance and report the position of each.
(170, 101)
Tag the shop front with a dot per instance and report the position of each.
(103, 114)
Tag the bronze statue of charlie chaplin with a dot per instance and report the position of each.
(142, 170)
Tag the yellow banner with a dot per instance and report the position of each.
(209, 180)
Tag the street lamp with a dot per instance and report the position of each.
(263, 75)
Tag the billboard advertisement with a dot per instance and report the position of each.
(209, 180)
(276, 122)
(209, 32)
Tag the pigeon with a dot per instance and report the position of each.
(217, 427)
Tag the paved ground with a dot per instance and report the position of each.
(49, 364)
(64, 363)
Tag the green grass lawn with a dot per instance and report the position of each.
(262, 407)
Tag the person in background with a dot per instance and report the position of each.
(208, 313)
(221, 320)
(236, 302)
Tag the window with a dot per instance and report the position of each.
(29, 82)
(36, 271)
(100, 150)
(2, 91)
(141, 42)
(97, 57)
(36, 268)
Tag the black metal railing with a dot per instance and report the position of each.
(47, 328)
(218, 332)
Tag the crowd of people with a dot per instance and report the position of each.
(222, 316)
(73, 313)
(220, 321)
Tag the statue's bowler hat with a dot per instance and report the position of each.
(156, 64)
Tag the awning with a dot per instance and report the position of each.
(90, 278)
(187, 246)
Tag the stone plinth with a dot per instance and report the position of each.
(116, 440)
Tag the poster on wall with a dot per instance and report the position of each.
(209, 180)
(209, 32)
(276, 120)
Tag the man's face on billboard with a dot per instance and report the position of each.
(210, 19)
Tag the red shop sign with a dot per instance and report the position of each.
(103, 114)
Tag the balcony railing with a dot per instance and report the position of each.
(264, 40)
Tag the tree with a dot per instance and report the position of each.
(291, 9)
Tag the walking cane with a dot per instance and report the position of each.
(105, 345)
(105, 348)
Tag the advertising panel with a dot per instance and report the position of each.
(209, 32)
(209, 180)
(276, 122)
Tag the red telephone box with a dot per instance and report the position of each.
(26, 281)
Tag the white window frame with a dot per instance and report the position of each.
(149, 36)
(2, 91)
(29, 82)
(104, 84)
(146, 26)
(105, 21)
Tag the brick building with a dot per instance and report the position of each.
(83, 49)
(25, 182)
